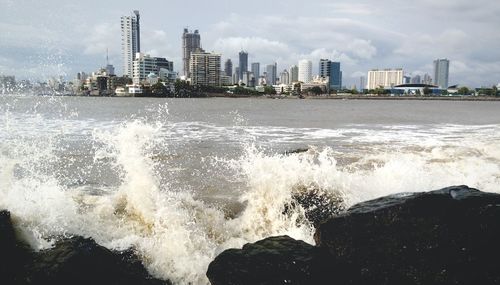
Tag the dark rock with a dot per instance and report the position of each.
(276, 260)
(71, 261)
(82, 261)
(318, 204)
(13, 254)
(449, 236)
(296, 151)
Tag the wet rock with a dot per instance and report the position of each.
(75, 261)
(448, 236)
(13, 254)
(81, 261)
(296, 151)
(276, 260)
(317, 204)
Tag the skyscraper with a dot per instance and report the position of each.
(228, 67)
(331, 70)
(243, 63)
(294, 74)
(416, 79)
(441, 72)
(284, 77)
(256, 69)
(131, 41)
(335, 76)
(190, 42)
(305, 71)
(271, 73)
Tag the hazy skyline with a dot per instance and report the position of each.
(57, 37)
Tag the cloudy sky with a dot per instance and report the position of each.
(56, 37)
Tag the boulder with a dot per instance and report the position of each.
(13, 254)
(75, 260)
(448, 236)
(275, 260)
(82, 261)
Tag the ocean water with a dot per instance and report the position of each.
(181, 180)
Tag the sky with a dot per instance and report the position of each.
(41, 39)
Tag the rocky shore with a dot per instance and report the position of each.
(448, 236)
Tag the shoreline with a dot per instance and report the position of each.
(307, 97)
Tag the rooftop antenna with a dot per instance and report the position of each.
(107, 56)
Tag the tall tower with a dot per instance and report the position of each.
(131, 41)
(243, 64)
(305, 71)
(228, 67)
(190, 42)
(271, 73)
(256, 70)
(294, 74)
(441, 72)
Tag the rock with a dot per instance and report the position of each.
(13, 254)
(75, 261)
(276, 260)
(448, 236)
(82, 261)
(317, 204)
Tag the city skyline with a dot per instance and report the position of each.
(359, 35)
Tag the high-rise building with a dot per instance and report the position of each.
(243, 63)
(204, 68)
(416, 79)
(248, 79)
(362, 83)
(294, 74)
(131, 41)
(441, 72)
(427, 79)
(191, 41)
(271, 74)
(256, 69)
(144, 64)
(384, 78)
(305, 71)
(331, 70)
(284, 77)
(228, 67)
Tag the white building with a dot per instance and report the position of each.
(144, 64)
(131, 41)
(205, 68)
(386, 78)
(305, 71)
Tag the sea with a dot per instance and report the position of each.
(181, 180)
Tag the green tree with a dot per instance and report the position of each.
(159, 90)
(427, 90)
(269, 90)
(316, 90)
(495, 91)
(463, 91)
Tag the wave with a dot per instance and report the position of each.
(52, 182)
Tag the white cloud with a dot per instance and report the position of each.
(101, 37)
